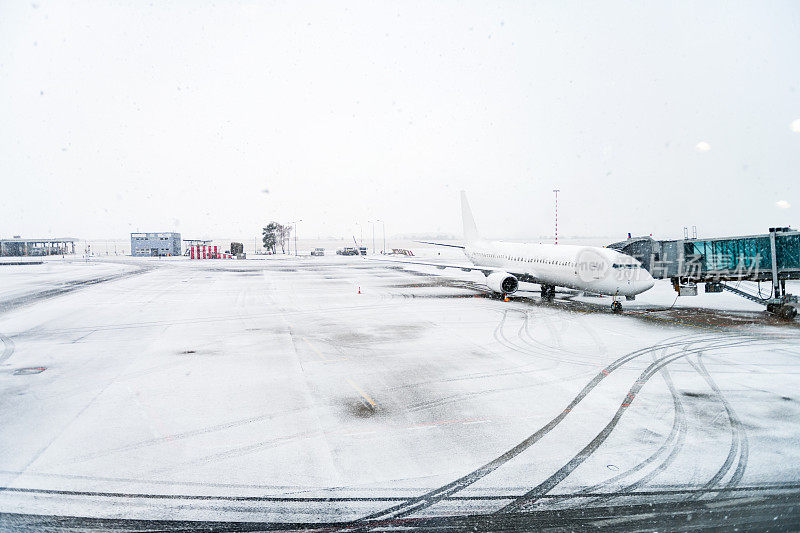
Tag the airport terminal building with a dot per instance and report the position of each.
(155, 244)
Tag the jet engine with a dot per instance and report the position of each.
(502, 282)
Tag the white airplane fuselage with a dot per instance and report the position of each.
(588, 268)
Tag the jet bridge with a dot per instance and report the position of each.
(773, 257)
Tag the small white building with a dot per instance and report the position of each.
(155, 244)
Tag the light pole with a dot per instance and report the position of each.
(383, 225)
(373, 234)
(361, 229)
(294, 222)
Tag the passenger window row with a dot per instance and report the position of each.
(528, 259)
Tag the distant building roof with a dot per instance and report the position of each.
(42, 239)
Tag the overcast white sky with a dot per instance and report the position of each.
(176, 116)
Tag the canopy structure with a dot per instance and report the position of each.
(18, 247)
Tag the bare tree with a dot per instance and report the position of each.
(283, 236)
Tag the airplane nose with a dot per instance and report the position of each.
(646, 281)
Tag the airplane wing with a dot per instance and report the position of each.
(464, 268)
(442, 244)
(441, 266)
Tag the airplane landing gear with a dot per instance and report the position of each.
(616, 307)
(548, 293)
(784, 311)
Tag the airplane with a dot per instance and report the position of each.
(585, 268)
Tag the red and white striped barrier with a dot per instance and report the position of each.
(202, 251)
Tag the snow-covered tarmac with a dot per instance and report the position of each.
(272, 390)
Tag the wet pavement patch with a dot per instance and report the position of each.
(360, 409)
(696, 394)
(697, 316)
(29, 370)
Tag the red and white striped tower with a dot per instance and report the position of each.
(556, 191)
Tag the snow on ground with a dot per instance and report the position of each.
(54, 273)
(276, 381)
(662, 294)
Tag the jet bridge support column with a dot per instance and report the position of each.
(782, 304)
(776, 284)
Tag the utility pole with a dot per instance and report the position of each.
(556, 191)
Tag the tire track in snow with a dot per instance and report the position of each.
(8, 348)
(71, 286)
(739, 449)
(432, 497)
(671, 447)
(500, 337)
(537, 344)
(527, 500)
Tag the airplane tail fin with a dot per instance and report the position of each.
(470, 230)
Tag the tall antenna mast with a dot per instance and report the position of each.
(556, 191)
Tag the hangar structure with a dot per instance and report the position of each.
(773, 257)
(19, 247)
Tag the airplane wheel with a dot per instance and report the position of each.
(548, 293)
(616, 307)
(787, 312)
